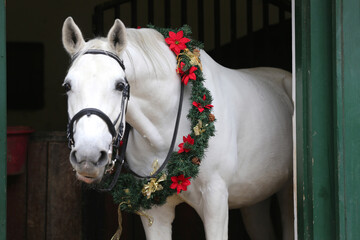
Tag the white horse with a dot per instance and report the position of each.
(247, 161)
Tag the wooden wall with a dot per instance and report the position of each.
(47, 202)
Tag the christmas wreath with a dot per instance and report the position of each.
(135, 194)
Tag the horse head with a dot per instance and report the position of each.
(97, 92)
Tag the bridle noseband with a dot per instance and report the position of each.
(116, 135)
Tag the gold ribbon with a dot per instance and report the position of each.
(199, 128)
(193, 56)
(118, 232)
(150, 218)
(154, 184)
(117, 235)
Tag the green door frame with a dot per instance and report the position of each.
(2, 121)
(327, 36)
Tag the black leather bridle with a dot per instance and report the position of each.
(117, 135)
(118, 155)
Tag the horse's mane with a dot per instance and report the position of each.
(148, 43)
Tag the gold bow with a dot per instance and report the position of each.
(193, 56)
(199, 128)
(154, 184)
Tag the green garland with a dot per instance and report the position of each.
(128, 192)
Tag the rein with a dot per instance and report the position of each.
(172, 141)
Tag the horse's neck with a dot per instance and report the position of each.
(152, 107)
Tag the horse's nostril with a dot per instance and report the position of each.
(73, 158)
(103, 159)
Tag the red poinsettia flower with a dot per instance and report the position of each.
(177, 41)
(200, 107)
(180, 183)
(190, 75)
(185, 76)
(182, 146)
(180, 69)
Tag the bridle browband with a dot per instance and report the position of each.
(118, 155)
(101, 52)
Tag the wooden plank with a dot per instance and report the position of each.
(187, 218)
(111, 219)
(44, 136)
(167, 13)
(302, 45)
(265, 13)
(36, 190)
(127, 225)
(233, 20)
(16, 207)
(236, 226)
(200, 9)
(217, 23)
(184, 12)
(151, 11)
(64, 196)
(249, 16)
(138, 229)
(93, 214)
(321, 127)
(340, 202)
(348, 115)
(3, 160)
(320, 116)
(134, 21)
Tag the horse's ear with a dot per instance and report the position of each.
(72, 37)
(117, 36)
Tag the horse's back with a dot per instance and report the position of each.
(279, 78)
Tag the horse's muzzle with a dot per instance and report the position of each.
(87, 169)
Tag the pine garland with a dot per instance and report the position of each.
(129, 190)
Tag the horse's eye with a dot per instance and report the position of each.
(120, 86)
(67, 86)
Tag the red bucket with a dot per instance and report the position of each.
(17, 141)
